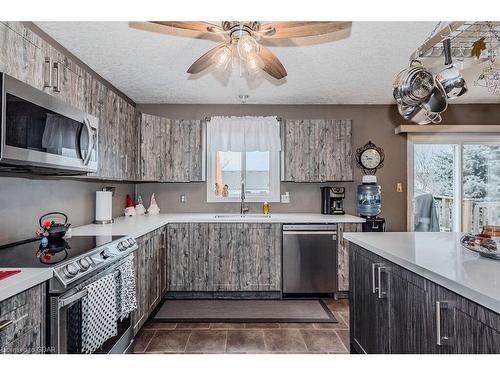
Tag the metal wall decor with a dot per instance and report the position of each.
(370, 158)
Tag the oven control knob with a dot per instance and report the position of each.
(106, 253)
(131, 241)
(70, 270)
(84, 264)
(122, 246)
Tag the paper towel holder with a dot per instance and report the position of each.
(111, 220)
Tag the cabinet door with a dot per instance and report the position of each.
(142, 277)
(464, 326)
(201, 261)
(163, 260)
(178, 257)
(412, 324)
(149, 149)
(343, 254)
(317, 150)
(369, 314)
(224, 243)
(261, 257)
(27, 334)
(22, 54)
(154, 269)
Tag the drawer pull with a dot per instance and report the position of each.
(4, 324)
(441, 340)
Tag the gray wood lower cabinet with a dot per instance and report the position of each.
(219, 257)
(150, 274)
(343, 254)
(393, 310)
(27, 335)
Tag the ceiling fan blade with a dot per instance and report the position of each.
(271, 64)
(297, 29)
(163, 27)
(191, 25)
(205, 60)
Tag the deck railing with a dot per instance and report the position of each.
(475, 214)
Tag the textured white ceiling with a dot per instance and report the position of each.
(357, 68)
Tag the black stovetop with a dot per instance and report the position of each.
(34, 255)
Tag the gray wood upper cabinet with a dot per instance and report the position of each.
(27, 57)
(22, 54)
(27, 335)
(224, 257)
(317, 150)
(393, 310)
(171, 150)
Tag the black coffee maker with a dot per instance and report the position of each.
(332, 200)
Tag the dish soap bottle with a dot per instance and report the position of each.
(265, 208)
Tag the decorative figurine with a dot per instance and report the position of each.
(225, 191)
(139, 207)
(130, 209)
(153, 206)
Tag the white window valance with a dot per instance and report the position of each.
(244, 134)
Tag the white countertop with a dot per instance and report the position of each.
(137, 226)
(27, 278)
(439, 257)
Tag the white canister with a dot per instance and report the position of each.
(103, 207)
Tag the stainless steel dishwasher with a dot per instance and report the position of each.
(309, 259)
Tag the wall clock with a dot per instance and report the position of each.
(370, 158)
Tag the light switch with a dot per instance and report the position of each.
(285, 198)
(183, 198)
(399, 187)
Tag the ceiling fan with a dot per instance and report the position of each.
(243, 40)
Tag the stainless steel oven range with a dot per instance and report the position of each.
(43, 134)
(77, 262)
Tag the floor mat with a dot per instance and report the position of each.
(242, 311)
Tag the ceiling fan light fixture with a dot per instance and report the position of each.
(222, 57)
(254, 65)
(248, 48)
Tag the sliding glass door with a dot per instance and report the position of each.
(453, 182)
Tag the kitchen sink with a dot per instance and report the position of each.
(240, 216)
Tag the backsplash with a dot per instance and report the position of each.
(23, 200)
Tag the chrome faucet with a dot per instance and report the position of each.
(243, 209)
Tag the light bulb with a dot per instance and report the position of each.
(253, 66)
(248, 48)
(222, 57)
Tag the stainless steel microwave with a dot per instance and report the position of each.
(42, 134)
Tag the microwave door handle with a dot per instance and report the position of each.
(90, 146)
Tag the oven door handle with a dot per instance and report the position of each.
(72, 298)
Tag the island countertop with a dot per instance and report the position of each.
(439, 257)
(137, 226)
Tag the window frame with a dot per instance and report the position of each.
(458, 139)
(274, 180)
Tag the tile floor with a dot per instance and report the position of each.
(248, 337)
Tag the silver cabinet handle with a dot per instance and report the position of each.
(381, 293)
(57, 67)
(441, 340)
(47, 82)
(4, 324)
(374, 282)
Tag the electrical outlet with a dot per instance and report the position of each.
(183, 198)
(285, 198)
(399, 187)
